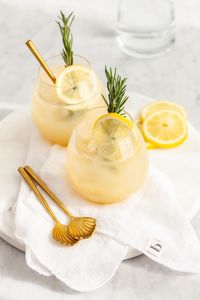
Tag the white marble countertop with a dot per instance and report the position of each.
(175, 76)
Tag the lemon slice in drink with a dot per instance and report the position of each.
(76, 84)
(162, 105)
(110, 127)
(111, 133)
(165, 129)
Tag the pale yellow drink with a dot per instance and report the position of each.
(103, 169)
(57, 108)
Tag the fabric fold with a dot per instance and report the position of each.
(152, 220)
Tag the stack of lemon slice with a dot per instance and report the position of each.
(164, 124)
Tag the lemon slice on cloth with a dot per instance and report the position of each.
(165, 129)
(162, 105)
(76, 84)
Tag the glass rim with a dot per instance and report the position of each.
(103, 107)
(52, 85)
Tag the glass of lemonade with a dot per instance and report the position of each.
(106, 160)
(57, 107)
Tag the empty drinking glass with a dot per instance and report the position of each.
(146, 28)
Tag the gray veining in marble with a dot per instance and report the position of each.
(175, 76)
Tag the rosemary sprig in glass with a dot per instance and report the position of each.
(64, 24)
(116, 87)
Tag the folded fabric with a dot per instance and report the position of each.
(150, 220)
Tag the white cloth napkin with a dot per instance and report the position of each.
(150, 220)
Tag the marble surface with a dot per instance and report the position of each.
(175, 76)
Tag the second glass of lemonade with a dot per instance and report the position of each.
(56, 108)
(106, 160)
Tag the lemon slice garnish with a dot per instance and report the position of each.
(162, 105)
(76, 84)
(165, 129)
(111, 133)
(110, 127)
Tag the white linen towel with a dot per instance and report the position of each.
(150, 220)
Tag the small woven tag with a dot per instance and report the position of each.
(154, 247)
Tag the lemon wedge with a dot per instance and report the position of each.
(162, 105)
(76, 84)
(165, 129)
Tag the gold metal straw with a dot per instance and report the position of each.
(41, 61)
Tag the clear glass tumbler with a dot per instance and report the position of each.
(108, 163)
(56, 108)
(146, 28)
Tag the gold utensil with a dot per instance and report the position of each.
(79, 227)
(60, 231)
(41, 61)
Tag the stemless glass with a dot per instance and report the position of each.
(146, 28)
(54, 117)
(105, 171)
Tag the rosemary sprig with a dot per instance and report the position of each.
(67, 38)
(116, 87)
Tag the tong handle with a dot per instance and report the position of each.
(44, 186)
(36, 191)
